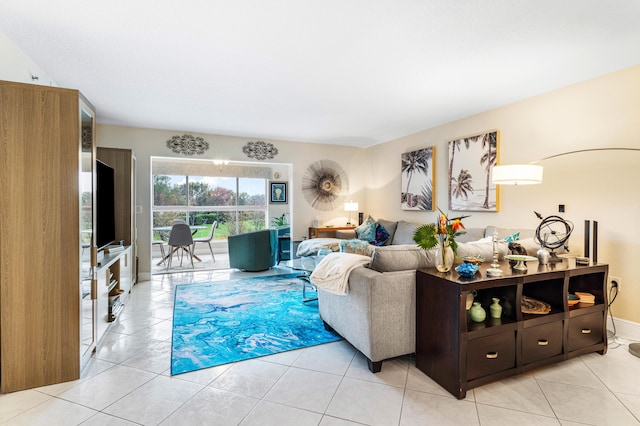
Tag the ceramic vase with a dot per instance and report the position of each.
(495, 309)
(477, 312)
(444, 257)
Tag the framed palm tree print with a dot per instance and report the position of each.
(471, 160)
(418, 178)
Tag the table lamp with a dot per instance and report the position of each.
(350, 207)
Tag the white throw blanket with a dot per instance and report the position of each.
(332, 273)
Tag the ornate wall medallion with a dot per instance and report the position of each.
(324, 185)
(188, 145)
(260, 150)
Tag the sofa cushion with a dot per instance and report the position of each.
(404, 233)
(390, 226)
(482, 248)
(505, 232)
(471, 234)
(401, 257)
(356, 247)
(346, 234)
(367, 231)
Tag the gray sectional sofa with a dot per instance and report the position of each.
(377, 316)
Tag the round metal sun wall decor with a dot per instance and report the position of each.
(187, 145)
(324, 185)
(260, 150)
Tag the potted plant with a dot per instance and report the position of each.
(279, 221)
(441, 235)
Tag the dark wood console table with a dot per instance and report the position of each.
(461, 354)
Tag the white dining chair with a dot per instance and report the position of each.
(207, 239)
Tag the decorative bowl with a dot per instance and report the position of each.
(467, 270)
(475, 260)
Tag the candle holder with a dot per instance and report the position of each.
(495, 270)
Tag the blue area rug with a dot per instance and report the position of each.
(226, 321)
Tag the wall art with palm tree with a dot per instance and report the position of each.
(471, 160)
(418, 178)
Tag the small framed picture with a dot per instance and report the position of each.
(279, 192)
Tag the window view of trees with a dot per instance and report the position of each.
(238, 204)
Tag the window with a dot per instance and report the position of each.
(237, 203)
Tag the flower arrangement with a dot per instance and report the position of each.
(443, 233)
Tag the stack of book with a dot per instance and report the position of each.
(586, 297)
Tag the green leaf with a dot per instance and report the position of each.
(425, 236)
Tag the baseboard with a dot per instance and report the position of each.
(627, 330)
(144, 276)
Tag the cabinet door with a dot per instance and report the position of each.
(40, 248)
(88, 289)
(491, 354)
(102, 302)
(541, 342)
(585, 330)
(126, 269)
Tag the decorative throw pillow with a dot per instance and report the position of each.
(381, 236)
(367, 231)
(357, 247)
(513, 237)
(390, 226)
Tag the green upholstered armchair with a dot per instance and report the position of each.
(253, 251)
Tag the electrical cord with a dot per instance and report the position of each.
(613, 336)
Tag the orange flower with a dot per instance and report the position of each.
(443, 224)
(457, 225)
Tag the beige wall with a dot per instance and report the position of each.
(292, 161)
(599, 113)
(15, 65)
(603, 186)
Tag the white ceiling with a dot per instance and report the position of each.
(348, 72)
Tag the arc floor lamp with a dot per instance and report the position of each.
(531, 174)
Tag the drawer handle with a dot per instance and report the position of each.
(586, 331)
(492, 355)
(543, 342)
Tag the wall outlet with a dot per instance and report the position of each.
(614, 282)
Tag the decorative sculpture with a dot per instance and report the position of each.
(260, 150)
(188, 145)
(324, 185)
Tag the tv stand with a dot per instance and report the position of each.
(460, 354)
(113, 287)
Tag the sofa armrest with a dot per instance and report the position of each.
(377, 316)
(346, 234)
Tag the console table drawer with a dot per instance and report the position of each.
(541, 342)
(491, 354)
(585, 330)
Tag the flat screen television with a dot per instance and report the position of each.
(105, 205)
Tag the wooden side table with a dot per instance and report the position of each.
(315, 232)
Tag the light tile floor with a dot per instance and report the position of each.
(128, 382)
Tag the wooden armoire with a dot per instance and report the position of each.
(46, 223)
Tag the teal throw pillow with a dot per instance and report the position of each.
(367, 231)
(513, 237)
